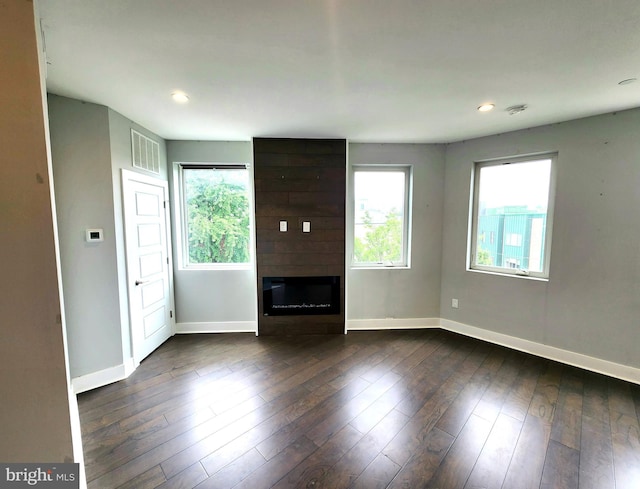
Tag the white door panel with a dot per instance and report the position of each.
(154, 322)
(149, 234)
(146, 204)
(152, 293)
(150, 264)
(147, 262)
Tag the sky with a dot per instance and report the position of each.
(385, 188)
(515, 184)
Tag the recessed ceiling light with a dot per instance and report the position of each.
(180, 97)
(486, 107)
(627, 81)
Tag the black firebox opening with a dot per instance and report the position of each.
(298, 296)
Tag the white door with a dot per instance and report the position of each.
(148, 262)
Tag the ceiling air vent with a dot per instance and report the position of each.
(145, 152)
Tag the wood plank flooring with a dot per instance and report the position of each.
(381, 409)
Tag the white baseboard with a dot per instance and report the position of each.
(611, 369)
(218, 327)
(605, 367)
(392, 323)
(130, 366)
(103, 377)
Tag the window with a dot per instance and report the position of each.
(513, 204)
(381, 216)
(215, 215)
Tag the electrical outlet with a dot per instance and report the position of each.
(454, 303)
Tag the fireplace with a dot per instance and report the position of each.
(301, 296)
(300, 268)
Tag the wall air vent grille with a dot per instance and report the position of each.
(145, 152)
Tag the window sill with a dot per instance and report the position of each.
(509, 275)
(218, 267)
(380, 267)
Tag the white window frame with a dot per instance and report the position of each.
(405, 261)
(473, 217)
(180, 209)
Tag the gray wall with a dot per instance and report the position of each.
(36, 417)
(81, 157)
(212, 296)
(219, 296)
(591, 303)
(412, 293)
(91, 144)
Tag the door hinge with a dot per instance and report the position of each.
(170, 314)
(167, 260)
(164, 204)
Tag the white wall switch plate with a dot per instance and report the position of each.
(306, 227)
(283, 226)
(454, 303)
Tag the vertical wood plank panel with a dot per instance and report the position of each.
(300, 180)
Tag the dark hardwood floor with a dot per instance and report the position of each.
(383, 409)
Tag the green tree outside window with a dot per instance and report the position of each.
(217, 214)
(382, 243)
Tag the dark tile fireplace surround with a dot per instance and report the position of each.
(300, 181)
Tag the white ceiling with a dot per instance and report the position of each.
(366, 70)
